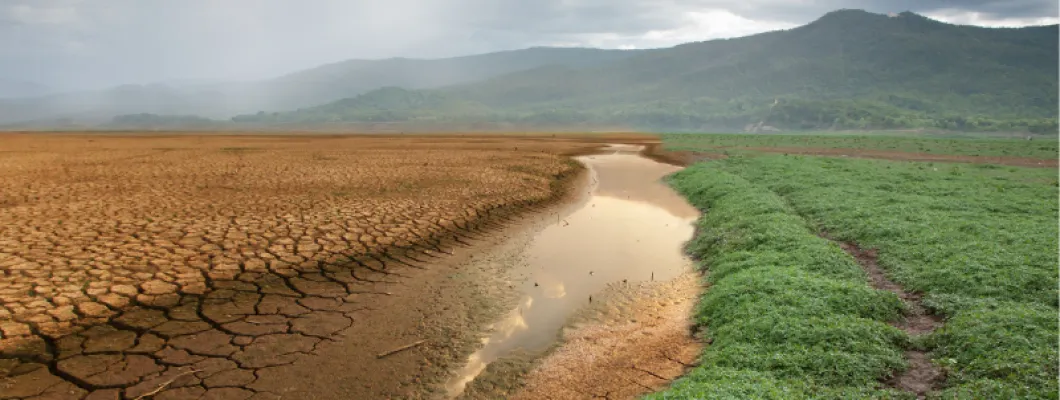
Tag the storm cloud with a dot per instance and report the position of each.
(81, 44)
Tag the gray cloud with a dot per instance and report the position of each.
(98, 43)
(806, 10)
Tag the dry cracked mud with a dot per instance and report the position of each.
(182, 267)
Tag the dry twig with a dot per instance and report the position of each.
(164, 384)
(402, 348)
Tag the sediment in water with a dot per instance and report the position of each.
(630, 230)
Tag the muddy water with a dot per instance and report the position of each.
(631, 228)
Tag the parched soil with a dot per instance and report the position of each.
(189, 266)
(910, 156)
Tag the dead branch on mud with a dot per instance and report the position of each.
(371, 292)
(166, 383)
(402, 348)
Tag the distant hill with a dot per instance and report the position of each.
(14, 88)
(301, 89)
(849, 69)
(154, 121)
(389, 104)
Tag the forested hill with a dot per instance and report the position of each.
(305, 88)
(848, 69)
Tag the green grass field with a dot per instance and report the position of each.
(1044, 147)
(793, 316)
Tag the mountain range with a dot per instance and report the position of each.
(849, 69)
(300, 89)
(10, 88)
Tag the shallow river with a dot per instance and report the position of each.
(631, 228)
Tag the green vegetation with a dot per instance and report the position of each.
(791, 315)
(300, 89)
(980, 241)
(390, 104)
(978, 231)
(1044, 148)
(848, 70)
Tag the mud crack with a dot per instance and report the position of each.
(144, 271)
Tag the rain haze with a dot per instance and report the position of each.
(92, 44)
(529, 199)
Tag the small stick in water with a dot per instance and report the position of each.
(653, 276)
(402, 348)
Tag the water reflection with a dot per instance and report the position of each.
(631, 229)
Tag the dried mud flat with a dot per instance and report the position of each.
(179, 267)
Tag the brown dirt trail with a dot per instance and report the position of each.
(922, 376)
(688, 157)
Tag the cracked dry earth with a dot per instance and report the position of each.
(186, 267)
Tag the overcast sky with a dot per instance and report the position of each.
(99, 43)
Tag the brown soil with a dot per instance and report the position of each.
(184, 265)
(630, 310)
(188, 266)
(679, 158)
(635, 342)
(910, 156)
(443, 306)
(684, 157)
(922, 376)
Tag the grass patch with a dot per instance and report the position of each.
(979, 241)
(1040, 147)
(940, 228)
(790, 314)
(1004, 350)
(730, 383)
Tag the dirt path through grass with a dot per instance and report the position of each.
(911, 156)
(922, 376)
(977, 242)
(686, 157)
(1040, 152)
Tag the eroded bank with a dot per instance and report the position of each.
(603, 272)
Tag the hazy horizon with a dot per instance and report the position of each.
(90, 44)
